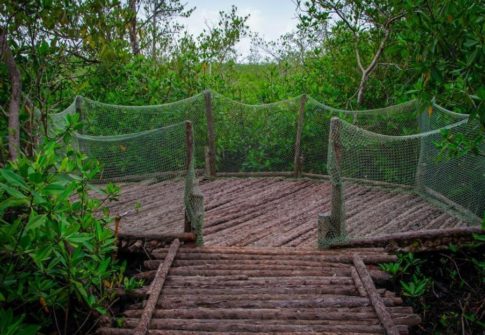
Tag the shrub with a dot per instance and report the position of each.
(55, 244)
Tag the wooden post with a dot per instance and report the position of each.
(77, 105)
(189, 142)
(337, 214)
(211, 137)
(207, 171)
(298, 159)
(375, 298)
(155, 289)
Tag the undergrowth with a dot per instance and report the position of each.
(446, 288)
(58, 274)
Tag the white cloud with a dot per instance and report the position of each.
(270, 19)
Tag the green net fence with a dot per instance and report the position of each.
(156, 155)
(409, 162)
(101, 119)
(395, 145)
(255, 138)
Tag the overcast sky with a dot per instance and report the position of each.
(269, 18)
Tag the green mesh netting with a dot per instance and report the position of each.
(255, 138)
(101, 119)
(399, 120)
(456, 184)
(393, 145)
(157, 154)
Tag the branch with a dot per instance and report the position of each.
(357, 55)
(378, 53)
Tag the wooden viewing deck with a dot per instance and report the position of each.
(260, 271)
(275, 212)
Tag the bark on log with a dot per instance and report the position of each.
(252, 326)
(405, 316)
(344, 258)
(125, 331)
(395, 241)
(358, 282)
(211, 135)
(155, 289)
(256, 174)
(375, 298)
(185, 237)
(282, 251)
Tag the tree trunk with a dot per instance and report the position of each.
(132, 28)
(14, 106)
(362, 87)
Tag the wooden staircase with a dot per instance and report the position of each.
(228, 290)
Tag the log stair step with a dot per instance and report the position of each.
(241, 291)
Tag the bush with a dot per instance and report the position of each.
(55, 244)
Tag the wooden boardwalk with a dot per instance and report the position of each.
(275, 212)
(227, 290)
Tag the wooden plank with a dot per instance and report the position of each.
(189, 144)
(207, 170)
(326, 313)
(409, 237)
(298, 159)
(337, 214)
(375, 298)
(185, 237)
(126, 331)
(256, 174)
(358, 282)
(211, 135)
(156, 289)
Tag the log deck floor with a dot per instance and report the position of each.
(230, 290)
(274, 212)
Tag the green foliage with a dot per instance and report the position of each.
(445, 287)
(416, 287)
(12, 325)
(55, 243)
(444, 41)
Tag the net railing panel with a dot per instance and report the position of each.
(255, 138)
(414, 161)
(394, 145)
(156, 153)
(459, 179)
(398, 120)
(101, 119)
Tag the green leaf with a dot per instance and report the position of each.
(13, 203)
(13, 178)
(55, 188)
(35, 221)
(12, 191)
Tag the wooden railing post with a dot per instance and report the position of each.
(189, 142)
(211, 137)
(298, 159)
(79, 111)
(77, 105)
(338, 211)
(332, 227)
(207, 171)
